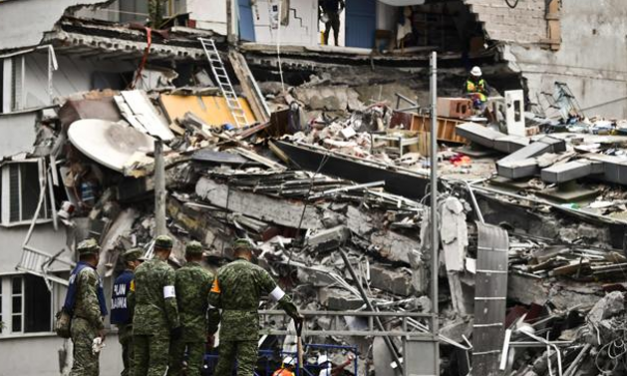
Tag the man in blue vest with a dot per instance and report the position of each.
(85, 303)
(122, 308)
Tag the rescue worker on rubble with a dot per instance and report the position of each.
(237, 290)
(287, 368)
(156, 317)
(331, 10)
(85, 303)
(122, 308)
(193, 282)
(476, 88)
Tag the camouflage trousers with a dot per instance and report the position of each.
(245, 352)
(155, 12)
(125, 337)
(85, 362)
(195, 358)
(150, 354)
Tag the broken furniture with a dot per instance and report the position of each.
(395, 143)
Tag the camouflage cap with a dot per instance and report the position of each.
(88, 246)
(132, 254)
(243, 244)
(164, 242)
(194, 248)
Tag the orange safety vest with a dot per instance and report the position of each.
(478, 88)
(283, 372)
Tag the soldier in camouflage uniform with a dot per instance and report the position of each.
(237, 290)
(156, 318)
(85, 303)
(122, 307)
(193, 282)
(155, 13)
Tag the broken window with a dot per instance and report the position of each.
(20, 187)
(30, 305)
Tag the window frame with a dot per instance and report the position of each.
(6, 285)
(45, 215)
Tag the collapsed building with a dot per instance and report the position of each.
(320, 156)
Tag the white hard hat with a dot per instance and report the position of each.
(323, 359)
(476, 71)
(289, 361)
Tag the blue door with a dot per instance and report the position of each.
(246, 24)
(361, 23)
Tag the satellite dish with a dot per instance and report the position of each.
(108, 143)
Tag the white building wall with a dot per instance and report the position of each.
(41, 15)
(44, 238)
(208, 14)
(302, 29)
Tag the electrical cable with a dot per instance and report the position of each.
(509, 4)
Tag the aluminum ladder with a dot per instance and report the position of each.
(38, 263)
(217, 67)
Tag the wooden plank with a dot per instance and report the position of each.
(248, 84)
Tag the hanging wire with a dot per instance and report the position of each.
(510, 4)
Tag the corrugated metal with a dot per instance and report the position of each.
(490, 299)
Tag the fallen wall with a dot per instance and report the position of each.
(42, 15)
(591, 59)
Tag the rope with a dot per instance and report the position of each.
(509, 4)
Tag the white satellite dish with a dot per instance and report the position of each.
(108, 143)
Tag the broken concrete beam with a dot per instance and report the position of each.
(328, 239)
(562, 294)
(280, 212)
(518, 169)
(339, 300)
(398, 281)
(573, 170)
(358, 222)
(394, 246)
(611, 305)
(510, 144)
(318, 277)
(479, 134)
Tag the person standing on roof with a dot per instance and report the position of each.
(156, 318)
(476, 88)
(85, 303)
(287, 368)
(237, 290)
(331, 10)
(193, 282)
(121, 307)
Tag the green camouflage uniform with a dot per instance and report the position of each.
(155, 13)
(156, 315)
(193, 282)
(237, 290)
(87, 318)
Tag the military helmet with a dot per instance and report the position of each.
(88, 246)
(193, 248)
(163, 242)
(132, 254)
(243, 244)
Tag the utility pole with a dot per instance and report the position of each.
(160, 192)
(434, 208)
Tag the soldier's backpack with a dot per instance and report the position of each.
(62, 324)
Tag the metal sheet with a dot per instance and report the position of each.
(146, 114)
(490, 298)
